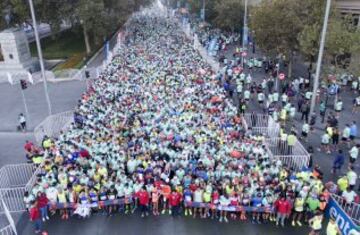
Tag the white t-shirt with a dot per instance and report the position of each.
(352, 176)
(349, 196)
(198, 196)
(354, 152)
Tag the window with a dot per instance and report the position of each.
(11, 56)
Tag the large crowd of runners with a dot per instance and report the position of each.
(158, 132)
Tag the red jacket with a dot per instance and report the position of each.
(175, 199)
(143, 197)
(42, 201)
(84, 153)
(283, 207)
(34, 213)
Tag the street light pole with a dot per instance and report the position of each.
(38, 45)
(202, 13)
(244, 32)
(320, 57)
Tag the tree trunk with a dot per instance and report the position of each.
(87, 43)
(290, 65)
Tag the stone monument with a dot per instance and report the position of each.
(15, 54)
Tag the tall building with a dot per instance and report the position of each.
(350, 7)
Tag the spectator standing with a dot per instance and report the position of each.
(22, 122)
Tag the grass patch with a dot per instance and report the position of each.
(66, 44)
(76, 61)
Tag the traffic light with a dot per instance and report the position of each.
(23, 84)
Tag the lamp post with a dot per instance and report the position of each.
(203, 10)
(320, 57)
(42, 67)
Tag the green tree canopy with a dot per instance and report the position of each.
(229, 14)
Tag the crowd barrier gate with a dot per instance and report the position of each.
(293, 156)
(53, 125)
(262, 124)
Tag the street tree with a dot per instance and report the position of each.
(229, 14)
(276, 25)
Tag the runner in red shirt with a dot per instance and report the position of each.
(144, 200)
(34, 214)
(282, 208)
(174, 201)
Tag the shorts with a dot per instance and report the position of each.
(304, 134)
(324, 144)
(260, 101)
(344, 139)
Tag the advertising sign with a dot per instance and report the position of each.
(344, 222)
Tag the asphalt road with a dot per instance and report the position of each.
(163, 225)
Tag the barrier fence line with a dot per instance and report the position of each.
(53, 125)
(13, 198)
(15, 175)
(262, 124)
(351, 209)
(7, 230)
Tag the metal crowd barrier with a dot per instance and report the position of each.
(53, 125)
(351, 209)
(293, 156)
(14, 181)
(262, 124)
(12, 176)
(7, 230)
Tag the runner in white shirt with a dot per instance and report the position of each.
(349, 195)
(352, 177)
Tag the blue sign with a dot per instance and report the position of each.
(344, 222)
